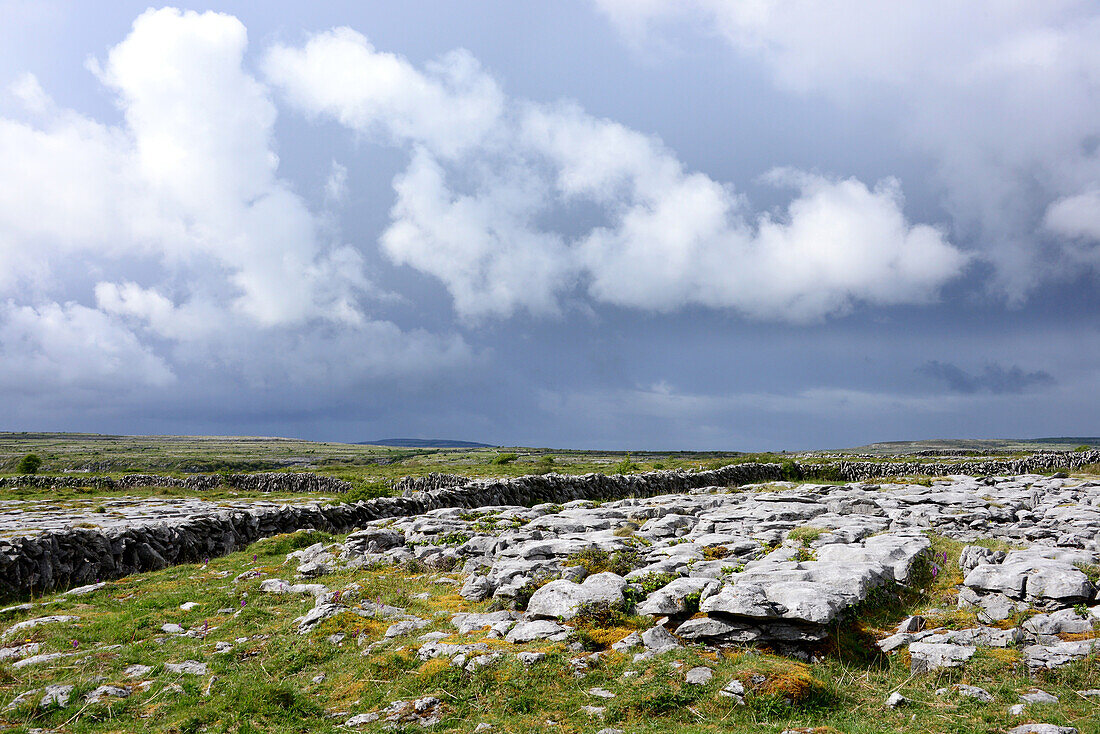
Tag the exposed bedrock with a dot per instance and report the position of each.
(74, 557)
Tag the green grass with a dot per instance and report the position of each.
(266, 684)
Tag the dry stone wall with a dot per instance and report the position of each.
(262, 482)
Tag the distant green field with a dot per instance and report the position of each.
(372, 469)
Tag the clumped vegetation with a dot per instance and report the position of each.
(29, 464)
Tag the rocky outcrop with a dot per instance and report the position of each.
(74, 557)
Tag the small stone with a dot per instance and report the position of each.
(658, 639)
(1036, 695)
(530, 658)
(102, 692)
(733, 689)
(895, 699)
(600, 693)
(319, 678)
(137, 671)
(915, 623)
(172, 628)
(188, 605)
(974, 692)
(699, 676)
(360, 719)
(1016, 709)
(56, 696)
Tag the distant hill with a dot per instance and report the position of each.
(427, 443)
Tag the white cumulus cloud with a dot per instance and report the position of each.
(1003, 97)
(489, 202)
(177, 220)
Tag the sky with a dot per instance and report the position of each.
(618, 224)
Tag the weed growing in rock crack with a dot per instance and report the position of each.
(692, 602)
(804, 554)
(597, 560)
(1091, 570)
(715, 552)
(525, 592)
(806, 534)
(653, 581)
(625, 530)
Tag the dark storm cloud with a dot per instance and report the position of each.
(993, 378)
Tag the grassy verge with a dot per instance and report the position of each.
(274, 680)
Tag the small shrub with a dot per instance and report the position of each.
(1083, 447)
(715, 553)
(626, 466)
(29, 464)
(790, 471)
(502, 459)
(544, 465)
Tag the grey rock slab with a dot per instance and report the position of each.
(927, 657)
(1057, 654)
(670, 599)
(1041, 729)
(563, 599)
(27, 624)
(405, 627)
(19, 652)
(48, 657)
(187, 667)
(1036, 695)
(467, 623)
(318, 614)
(443, 649)
(537, 629)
